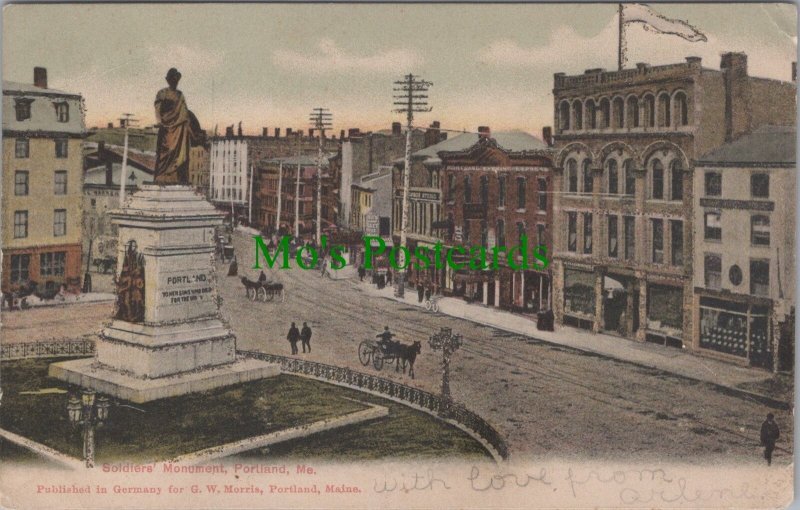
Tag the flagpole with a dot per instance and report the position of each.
(621, 47)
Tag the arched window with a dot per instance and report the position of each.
(664, 110)
(657, 180)
(586, 173)
(591, 114)
(613, 176)
(563, 116)
(681, 107)
(630, 179)
(577, 112)
(632, 112)
(649, 111)
(572, 176)
(619, 112)
(676, 179)
(605, 113)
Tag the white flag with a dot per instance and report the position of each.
(642, 13)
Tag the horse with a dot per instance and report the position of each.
(249, 286)
(274, 288)
(407, 354)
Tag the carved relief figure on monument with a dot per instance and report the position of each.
(130, 287)
(178, 130)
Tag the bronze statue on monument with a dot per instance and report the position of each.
(178, 131)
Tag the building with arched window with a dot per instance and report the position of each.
(623, 239)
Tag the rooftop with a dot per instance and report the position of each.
(512, 141)
(775, 145)
(29, 88)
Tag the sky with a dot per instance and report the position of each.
(270, 64)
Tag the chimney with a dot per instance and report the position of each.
(397, 129)
(300, 133)
(641, 66)
(110, 125)
(738, 95)
(109, 174)
(277, 132)
(288, 132)
(341, 134)
(352, 132)
(40, 77)
(547, 135)
(311, 132)
(794, 71)
(694, 60)
(265, 132)
(229, 132)
(484, 132)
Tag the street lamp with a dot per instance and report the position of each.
(91, 411)
(448, 343)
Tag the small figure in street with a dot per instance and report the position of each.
(381, 281)
(420, 292)
(427, 294)
(385, 337)
(388, 277)
(233, 269)
(293, 337)
(769, 435)
(361, 273)
(324, 271)
(262, 277)
(305, 337)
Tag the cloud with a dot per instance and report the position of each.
(331, 58)
(568, 51)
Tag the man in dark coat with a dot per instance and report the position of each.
(361, 273)
(769, 435)
(293, 337)
(305, 337)
(262, 277)
(420, 292)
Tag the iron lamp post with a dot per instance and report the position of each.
(448, 343)
(91, 411)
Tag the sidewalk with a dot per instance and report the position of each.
(674, 361)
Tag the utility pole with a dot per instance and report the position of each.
(126, 120)
(410, 96)
(280, 192)
(321, 120)
(250, 197)
(297, 192)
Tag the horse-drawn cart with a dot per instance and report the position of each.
(377, 353)
(262, 290)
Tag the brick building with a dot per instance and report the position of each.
(628, 140)
(495, 191)
(43, 131)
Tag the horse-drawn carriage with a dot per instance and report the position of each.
(391, 352)
(262, 290)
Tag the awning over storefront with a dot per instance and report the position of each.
(474, 277)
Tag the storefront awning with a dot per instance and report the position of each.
(474, 277)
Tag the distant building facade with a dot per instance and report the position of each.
(43, 130)
(745, 210)
(623, 206)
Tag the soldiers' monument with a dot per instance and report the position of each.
(166, 337)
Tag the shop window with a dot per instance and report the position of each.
(20, 268)
(612, 237)
(658, 241)
(713, 225)
(759, 230)
(759, 186)
(723, 326)
(713, 184)
(579, 292)
(712, 266)
(759, 277)
(52, 264)
(665, 309)
(572, 231)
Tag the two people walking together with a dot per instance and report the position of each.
(304, 336)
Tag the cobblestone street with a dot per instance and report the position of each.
(547, 400)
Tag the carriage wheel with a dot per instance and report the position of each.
(435, 307)
(251, 294)
(365, 352)
(377, 359)
(428, 305)
(262, 294)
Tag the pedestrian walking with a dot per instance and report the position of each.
(420, 292)
(305, 337)
(293, 337)
(233, 269)
(769, 435)
(361, 273)
(262, 277)
(389, 277)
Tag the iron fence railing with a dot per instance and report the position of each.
(47, 349)
(414, 396)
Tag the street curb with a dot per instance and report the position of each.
(728, 390)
